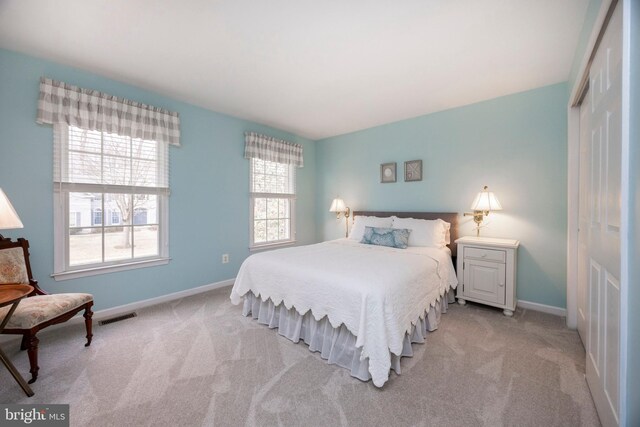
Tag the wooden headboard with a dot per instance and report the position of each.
(450, 217)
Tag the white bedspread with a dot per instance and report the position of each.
(376, 292)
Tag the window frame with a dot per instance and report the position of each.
(61, 210)
(253, 246)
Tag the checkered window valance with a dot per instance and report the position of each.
(92, 110)
(272, 149)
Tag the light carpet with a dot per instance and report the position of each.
(198, 361)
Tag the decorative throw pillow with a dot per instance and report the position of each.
(392, 237)
(360, 222)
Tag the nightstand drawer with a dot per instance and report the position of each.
(485, 254)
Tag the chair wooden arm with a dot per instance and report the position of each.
(36, 289)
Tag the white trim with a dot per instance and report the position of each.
(127, 308)
(625, 193)
(121, 309)
(163, 230)
(573, 204)
(267, 246)
(558, 311)
(595, 31)
(74, 187)
(104, 269)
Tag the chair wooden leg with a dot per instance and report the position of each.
(32, 350)
(25, 342)
(88, 322)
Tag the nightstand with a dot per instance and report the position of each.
(487, 272)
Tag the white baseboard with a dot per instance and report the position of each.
(121, 309)
(127, 308)
(558, 311)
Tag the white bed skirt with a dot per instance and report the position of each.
(337, 345)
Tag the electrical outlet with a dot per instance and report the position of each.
(225, 258)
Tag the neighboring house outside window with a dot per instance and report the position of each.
(272, 203)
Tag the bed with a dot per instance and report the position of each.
(361, 306)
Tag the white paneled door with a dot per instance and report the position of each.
(599, 261)
(584, 219)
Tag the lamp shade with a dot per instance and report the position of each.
(486, 201)
(8, 216)
(337, 205)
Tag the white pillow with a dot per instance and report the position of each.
(425, 232)
(360, 222)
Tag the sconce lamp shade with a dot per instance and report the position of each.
(486, 201)
(8, 216)
(338, 206)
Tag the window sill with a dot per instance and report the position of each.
(271, 246)
(94, 271)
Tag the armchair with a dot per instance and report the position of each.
(39, 310)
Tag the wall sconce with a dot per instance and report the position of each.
(8, 216)
(484, 203)
(339, 207)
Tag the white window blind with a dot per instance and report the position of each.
(110, 162)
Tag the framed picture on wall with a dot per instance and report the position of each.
(413, 170)
(388, 172)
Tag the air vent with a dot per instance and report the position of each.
(117, 319)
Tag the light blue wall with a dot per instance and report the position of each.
(633, 324)
(585, 34)
(517, 145)
(209, 186)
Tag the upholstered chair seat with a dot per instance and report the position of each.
(36, 310)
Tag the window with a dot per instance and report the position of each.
(109, 179)
(272, 203)
(97, 217)
(115, 217)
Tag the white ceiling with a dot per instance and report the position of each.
(314, 68)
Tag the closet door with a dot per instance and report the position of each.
(601, 234)
(584, 216)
